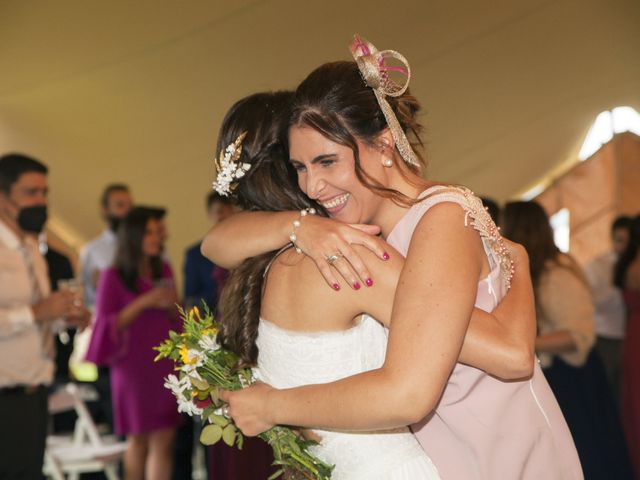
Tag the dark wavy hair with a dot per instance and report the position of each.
(527, 223)
(629, 255)
(129, 253)
(269, 185)
(334, 101)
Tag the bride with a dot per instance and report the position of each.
(279, 314)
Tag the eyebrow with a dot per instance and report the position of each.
(317, 159)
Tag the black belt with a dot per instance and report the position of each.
(21, 389)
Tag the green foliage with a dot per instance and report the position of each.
(205, 371)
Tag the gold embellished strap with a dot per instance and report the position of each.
(477, 216)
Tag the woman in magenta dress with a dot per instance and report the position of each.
(135, 309)
(348, 144)
(627, 277)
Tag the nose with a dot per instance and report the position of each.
(315, 184)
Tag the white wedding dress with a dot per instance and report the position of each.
(289, 359)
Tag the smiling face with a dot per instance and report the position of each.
(326, 173)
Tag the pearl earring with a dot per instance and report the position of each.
(387, 162)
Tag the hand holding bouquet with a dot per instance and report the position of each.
(205, 368)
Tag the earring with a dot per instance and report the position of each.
(387, 162)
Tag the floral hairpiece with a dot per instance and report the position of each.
(374, 71)
(228, 168)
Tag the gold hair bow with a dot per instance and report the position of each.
(374, 71)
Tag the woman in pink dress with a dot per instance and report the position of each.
(348, 144)
(627, 277)
(135, 309)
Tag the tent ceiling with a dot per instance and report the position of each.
(135, 91)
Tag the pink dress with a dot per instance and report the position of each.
(484, 428)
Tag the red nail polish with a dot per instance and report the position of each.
(369, 282)
(336, 286)
(385, 255)
(356, 286)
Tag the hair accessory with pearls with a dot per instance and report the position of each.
(229, 169)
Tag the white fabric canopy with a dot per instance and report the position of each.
(135, 91)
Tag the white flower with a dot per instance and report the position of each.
(208, 344)
(188, 407)
(228, 167)
(176, 386)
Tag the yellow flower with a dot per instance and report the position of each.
(194, 312)
(184, 355)
(210, 331)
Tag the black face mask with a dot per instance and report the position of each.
(32, 219)
(114, 223)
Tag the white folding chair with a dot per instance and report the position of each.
(86, 450)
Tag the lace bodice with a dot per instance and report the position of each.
(289, 359)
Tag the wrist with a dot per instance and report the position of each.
(296, 224)
(270, 410)
(288, 218)
(38, 312)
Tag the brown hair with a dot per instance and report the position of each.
(129, 252)
(527, 223)
(335, 101)
(269, 185)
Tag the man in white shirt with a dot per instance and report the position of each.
(100, 252)
(27, 311)
(610, 313)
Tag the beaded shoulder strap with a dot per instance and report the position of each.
(478, 217)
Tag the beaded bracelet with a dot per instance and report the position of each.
(296, 224)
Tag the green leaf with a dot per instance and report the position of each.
(276, 475)
(211, 434)
(215, 395)
(229, 434)
(219, 420)
(208, 411)
(240, 441)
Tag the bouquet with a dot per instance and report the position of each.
(205, 367)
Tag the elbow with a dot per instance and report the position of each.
(205, 246)
(520, 364)
(412, 404)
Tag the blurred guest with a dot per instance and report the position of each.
(27, 311)
(564, 343)
(202, 282)
(627, 277)
(493, 208)
(60, 269)
(199, 280)
(611, 313)
(99, 253)
(95, 257)
(135, 309)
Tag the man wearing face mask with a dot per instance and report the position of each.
(27, 312)
(99, 253)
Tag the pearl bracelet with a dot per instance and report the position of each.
(296, 224)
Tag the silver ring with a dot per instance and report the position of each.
(225, 411)
(331, 259)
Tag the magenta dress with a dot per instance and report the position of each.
(141, 403)
(484, 428)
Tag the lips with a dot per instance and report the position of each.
(335, 203)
